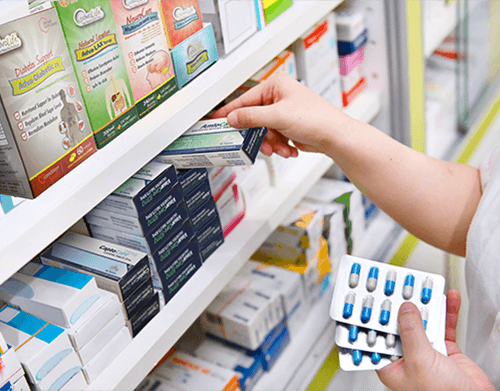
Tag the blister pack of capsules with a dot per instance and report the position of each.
(366, 302)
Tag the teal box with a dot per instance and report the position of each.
(195, 54)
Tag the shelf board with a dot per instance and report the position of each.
(10, 10)
(34, 224)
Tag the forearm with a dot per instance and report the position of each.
(433, 199)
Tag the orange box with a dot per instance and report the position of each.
(182, 18)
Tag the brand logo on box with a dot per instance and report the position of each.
(111, 250)
(131, 4)
(83, 18)
(10, 42)
(184, 16)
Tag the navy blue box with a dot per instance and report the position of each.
(150, 309)
(210, 238)
(203, 215)
(190, 179)
(198, 196)
(345, 48)
(141, 296)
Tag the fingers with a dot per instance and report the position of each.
(412, 333)
(453, 301)
(253, 97)
(249, 117)
(393, 375)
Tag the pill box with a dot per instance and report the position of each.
(190, 179)
(182, 19)
(362, 282)
(270, 10)
(141, 319)
(194, 55)
(203, 215)
(231, 208)
(11, 368)
(107, 354)
(45, 129)
(98, 315)
(55, 295)
(20, 385)
(146, 188)
(350, 25)
(284, 62)
(220, 179)
(227, 18)
(210, 238)
(144, 223)
(43, 348)
(144, 41)
(197, 197)
(154, 382)
(213, 143)
(138, 299)
(116, 269)
(348, 47)
(76, 382)
(349, 62)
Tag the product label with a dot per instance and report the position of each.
(10, 42)
(200, 58)
(38, 76)
(184, 16)
(182, 19)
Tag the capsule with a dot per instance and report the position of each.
(349, 304)
(366, 312)
(354, 276)
(425, 317)
(426, 291)
(376, 358)
(385, 312)
(371, 337)
(371, 283)
(353, 334)
(390, 283)
(408, 287)
(357, 357)
(394, 358)
(390, 340)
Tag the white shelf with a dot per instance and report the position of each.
(10, 10)
(30, 227)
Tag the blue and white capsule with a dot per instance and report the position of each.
(353, 333)
(357, 357)
(354, 276)
(425, 317)
(385, 312)
(371, 283)
(376, 358)
(408, 287)
(371, 337)
(390, 282)
(366, 312)
(426, 291)
(348, 305)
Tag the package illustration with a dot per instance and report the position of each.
(44, 131)
(92, 38)
(182, 19)
(147, 58)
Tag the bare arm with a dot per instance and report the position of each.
(432, 199)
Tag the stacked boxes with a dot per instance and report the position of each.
(268, 10)
(99, 64)
(44, 351)
(115, 268)
(182, 19)
(352, 36)
(46, 132)
(12, 373)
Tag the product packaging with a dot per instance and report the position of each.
(116, 269)
(11, 369)
(190, 179)
(182, 19)
(142, 191)
(107, 354)
(148, 311)
(197, 197)
(351, 31)
(154, 382)
(186, 372)
(7, 203)
(233, 21)
(20, 385)
(349, 62)
(231, 208)
(43, 348)
(213, 143)
(284, 62)
(318, 60)
(144, 43)
(352, 85)
(44, 129)
(210, 237)
(194, 55)
(253, 182)
(268, 10)
(55, 295)
(205, 214)
(99, 63)
(220, 179)
(3, 345)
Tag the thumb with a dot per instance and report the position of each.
(413, 338)
(249, 117)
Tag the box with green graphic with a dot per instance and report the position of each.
(92, 38)
(214, 143)
(268, 10)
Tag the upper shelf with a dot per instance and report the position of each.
(34, 224)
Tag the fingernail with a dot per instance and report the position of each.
(280, 152)
(406, 307)
(232, 119)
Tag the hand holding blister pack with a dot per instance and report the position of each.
(365, 305)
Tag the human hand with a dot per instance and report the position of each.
(291, 112)
(422, 367)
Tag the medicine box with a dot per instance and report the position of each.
(19, 385)
(147, 58)
(138, 299)
(198, 196)
(44, 130)
(142, 224)
(43, 348)
(11, 368)
(89, 324)
(108, 353)
(220, 179)
(75, 382)
(213, 143)
(3, 345)
(141, 319)
(182, 19)
(253, 182)
(154, 382)
(203, 215)
(99, 63)
(231, 208)
(190, 179)
(268, 10)
(142, 191)
(55, 295)
(116, 268)
(348, 47)
(186, 372)
(210, 238)
(284, 62)
(350, 25)
(351, 61)
(194, 55)
(233, 21)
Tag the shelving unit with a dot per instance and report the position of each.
(33, 225)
